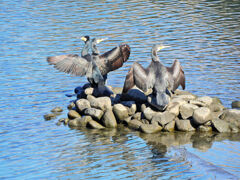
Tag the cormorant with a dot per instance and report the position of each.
(157, 77)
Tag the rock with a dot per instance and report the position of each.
(145, 121)
(203, 128)
(232, 116)
(197, 103)
(173, 108)
(169, 127)
(134, 95)
(82, 104)
(71, 106)
(201, 115)
(181, 92)
(103, 103)
(184, 125)
(48, 117)
(95, 125)
(216, 100)
(109, 119)
(117, 90)
(72, 114)
(89, 91)
(132, 107)
(180, 101)
(57, 109)
(150, 128)
(80, 122)
(233, 128)
(143, 107)
(126, 120)
(187, 97)
(163, 118)
(215, 107)
(120, 112)
(206, 100)
(137, 116)
(134, 124)
(236, 104)
(221, 125)
(186, 110)
(94, 113)
(148, 113)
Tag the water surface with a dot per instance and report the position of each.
(203, 35)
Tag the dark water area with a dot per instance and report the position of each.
(203, 35)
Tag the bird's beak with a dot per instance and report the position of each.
(162, 47)
(83, 38)
(100, 40)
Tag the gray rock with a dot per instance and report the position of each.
(137, 116)
(181, 92)
(109, 119)
(169, 127)
(150, 128)
(234, 128)
(197, 103)
(201, 115)
(94, 113)
(72, 114)
(50, 116)
(221, 125)
(216, 100)
(132, 107)
(89, 91)
(206, 100)
(236, 104)
(57, 109)
(82, 104)
(215, 107)
(173, 108)
(80, 122)
(145, 121)
(134, 124)
(134, 95)
(149, 113)
(103, 103)
(71, 106)
(203, 128)
(232, 116)
(163, 118)
(187, 97)
(180, 101)
(184, 125)
(186, 110)
(120, 112)
(95, 125)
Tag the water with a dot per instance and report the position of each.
(203, 35)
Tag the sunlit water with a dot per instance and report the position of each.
(203, 35)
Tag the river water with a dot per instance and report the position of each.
(203, 35)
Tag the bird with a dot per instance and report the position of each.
(94, 66)
(157, 77)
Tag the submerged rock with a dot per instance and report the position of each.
(236, 104)
(48, 117)
(57, 109)
(80, 122)
(95, 125)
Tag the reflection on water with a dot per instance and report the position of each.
(203, 35)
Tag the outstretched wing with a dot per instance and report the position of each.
(178, 74)
(113, 59)
(71, 64)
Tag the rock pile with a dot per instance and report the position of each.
(185, 112)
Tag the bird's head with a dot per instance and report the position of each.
(85, 38)
(158, 47)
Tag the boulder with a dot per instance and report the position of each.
(89, 91)
(95, 125)
(148, 113)
(184, 125)
(72, 114)
(150, 128)
(201, 115)
(232, 116)
(173, 108)
(120, 111)
(169, 127)
(57, 109)
(180, 101)
(137, 116)
(103, 103)
(181, 92)
(221, 125)
(80, 122)
(82, 104)
(109, 119)
(236, 104)
(206, 100)
(132, 107)
(186, 110)
(197, 103)
(134, 124)
(94, 113)
(187, 97)
(163, 118)
(216, 107)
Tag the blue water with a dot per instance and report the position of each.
(203, 35)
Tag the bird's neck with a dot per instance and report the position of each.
(95, 50)
(154, 56)
(85, 49)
